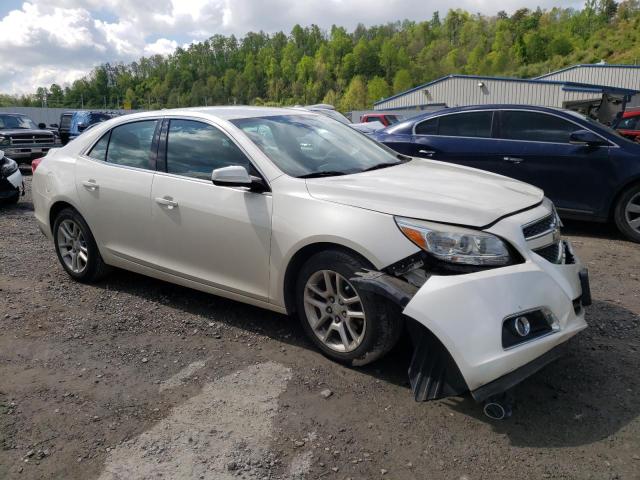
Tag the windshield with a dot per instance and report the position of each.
(310, 145)
(17, 121)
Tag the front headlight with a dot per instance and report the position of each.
(455, 244)
(8, 167)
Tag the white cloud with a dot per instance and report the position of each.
(162, 46)
(60, 40)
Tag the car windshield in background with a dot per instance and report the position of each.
(309, 145)
(17, 121)
(332, 114)
(596, 123)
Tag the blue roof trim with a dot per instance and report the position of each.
(600, 88)
(586, 65)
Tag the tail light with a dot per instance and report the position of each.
(35, 163)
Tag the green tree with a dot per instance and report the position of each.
(402, 81)
(377, 89)
(355, 97)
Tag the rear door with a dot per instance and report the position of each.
(463, 138)
(535, 146)
(113, 181)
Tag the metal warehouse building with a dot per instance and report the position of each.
(583, 87)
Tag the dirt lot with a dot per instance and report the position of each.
(136, 378)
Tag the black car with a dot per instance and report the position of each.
(64, 127)
(587, 169)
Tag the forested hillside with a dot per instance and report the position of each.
(353, 69)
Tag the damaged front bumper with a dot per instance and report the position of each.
(12, 186)
(469, 329)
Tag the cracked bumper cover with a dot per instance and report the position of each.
(463, 315)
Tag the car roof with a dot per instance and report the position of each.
(227, 113)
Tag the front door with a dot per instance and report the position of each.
(218, 236)
(113, 181)
(536, 147)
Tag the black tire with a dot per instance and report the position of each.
(95, 268)
(620, 216)
(384, 322)
(14, 200)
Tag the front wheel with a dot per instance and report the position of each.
(627, 213)
(347, 325)
(76, 247)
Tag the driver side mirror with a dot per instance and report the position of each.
(586, 137)
(42, 126)
(237, 176)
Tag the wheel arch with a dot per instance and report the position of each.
(56, 208)
(297, 261)
(619, 192)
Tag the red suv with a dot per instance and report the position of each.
(383, 118)
(629, 125)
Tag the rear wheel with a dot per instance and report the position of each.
(76, 248)
(347, 325)
(627, 213)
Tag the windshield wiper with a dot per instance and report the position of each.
(382, 165)
(323, 173)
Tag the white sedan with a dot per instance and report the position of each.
(300, 214)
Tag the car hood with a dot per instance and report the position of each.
(430, 190)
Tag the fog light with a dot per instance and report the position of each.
(522, 326)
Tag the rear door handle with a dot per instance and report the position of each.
(91, 185)
(167, 201)
(515, 160)
(428, 153)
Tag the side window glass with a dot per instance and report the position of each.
(195, 149)
(428, 127)
(535, 127)
(130, 144)
(99, 150)
(628, 123)
(472, 124)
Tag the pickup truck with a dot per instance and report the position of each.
(384, 118)
(22, 140)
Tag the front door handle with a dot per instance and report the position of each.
(91, 185)
(428, 153)
(167, 201)
(515, 160)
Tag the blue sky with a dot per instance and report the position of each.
(47, 41)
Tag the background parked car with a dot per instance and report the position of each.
(329, 111)
(629, 125)
(10, 180)
(384, 118)
(587, 169)
(22, 140)
(82, 120)
(64, 127)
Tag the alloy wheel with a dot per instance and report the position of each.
(72, 246)
(334, 311)
(632, 212)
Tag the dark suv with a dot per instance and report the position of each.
(22, 140)
(587, 169)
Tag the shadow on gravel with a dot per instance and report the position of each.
(584, 397)
(587, 395)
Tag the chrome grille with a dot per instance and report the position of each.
(540, 227)
(27, 139)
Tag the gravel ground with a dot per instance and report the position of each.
(137, 378)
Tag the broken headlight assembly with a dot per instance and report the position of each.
(456, 245)
(7, 167)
